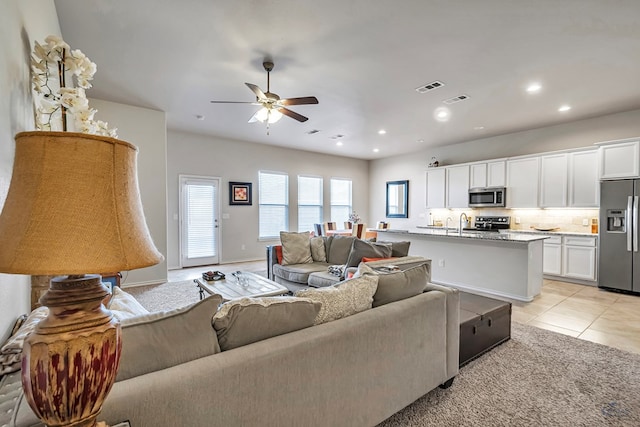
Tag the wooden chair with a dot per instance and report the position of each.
(329, 226)
(319, 229)
(348, 225)
(382, 225)
(360, 230)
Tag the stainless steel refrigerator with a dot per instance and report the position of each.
(619, 260)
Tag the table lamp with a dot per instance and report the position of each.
(73, 210)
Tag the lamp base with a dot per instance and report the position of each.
(70, 361)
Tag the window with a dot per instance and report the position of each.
(340, 200)
(309, 202)
(273, 196)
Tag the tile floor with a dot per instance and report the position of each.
(585, 312)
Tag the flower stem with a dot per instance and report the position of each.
(61, 78)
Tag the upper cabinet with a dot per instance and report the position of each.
(553, 180)
(584, 182)
(457, 185)
(435, 188)
(487, 174)
(522, 182)
(620, 159)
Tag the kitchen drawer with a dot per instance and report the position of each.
(553, 240)
(580, 241)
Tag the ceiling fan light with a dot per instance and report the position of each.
(262, 115)
(273, 116)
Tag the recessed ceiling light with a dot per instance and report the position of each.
(382, 131)
(478, 128)
(441, 114)
(421, 141)
(200, 117)
(375, 150)
(564, 108)
(339, 144)
(534, 87)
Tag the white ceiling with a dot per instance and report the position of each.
(363, 60)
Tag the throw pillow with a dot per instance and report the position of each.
(279, 254)
(361, 248)
(296, 248)
(317, 250)
(123, 305)
(396, 286)
(344, 299)
(11, 351)
(340, 249)
(248, 320)
(399, 249)
(156, 341)
(365, 259)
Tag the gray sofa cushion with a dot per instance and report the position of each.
(360, 249)
(322, 279)
(400, 249)
(344, 299)
(339, 249)
(248, 320)
(318, 251)
(298, 273)
(156, 341)
(398, 285)
(296, 248)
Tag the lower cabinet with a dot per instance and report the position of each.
(571, 257)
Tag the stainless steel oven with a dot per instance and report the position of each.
(487, 197)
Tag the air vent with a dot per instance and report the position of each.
(338, 136)
(430, 86)
(456, 99)
(312, 131)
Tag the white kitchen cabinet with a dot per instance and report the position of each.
(487, 174)
(584, 183)
(496, 173)
(435, 188)
(457, 185)
(620, 159)
(478, 175)
(553, 180)
(522, 182)
(552, 256)
(579, 258)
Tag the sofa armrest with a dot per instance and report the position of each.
(272, 259)
(453, 326)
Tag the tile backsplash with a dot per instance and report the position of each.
(570, 220)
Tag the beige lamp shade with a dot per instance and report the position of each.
(74, 207)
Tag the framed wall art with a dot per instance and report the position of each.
(240, 193)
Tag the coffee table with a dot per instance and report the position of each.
(229, 288)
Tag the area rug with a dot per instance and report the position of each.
(538, 378)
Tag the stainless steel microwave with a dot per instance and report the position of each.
(494, 197)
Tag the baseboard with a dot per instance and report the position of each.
(138, 284)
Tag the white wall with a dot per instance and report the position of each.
(229, 160)
(21, 23)
(147, 130)
(582, 133)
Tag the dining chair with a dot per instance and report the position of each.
(359, 230)
(348, 225)
(329, 226)
(319, 229)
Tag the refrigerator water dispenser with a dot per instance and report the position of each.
(616, 221)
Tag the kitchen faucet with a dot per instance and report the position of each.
(466, 218)
(446, 228)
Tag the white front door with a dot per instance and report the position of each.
(199, 220)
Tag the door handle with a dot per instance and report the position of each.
(635, 224)
(628, 220)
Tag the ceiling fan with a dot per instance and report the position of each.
(273, 108)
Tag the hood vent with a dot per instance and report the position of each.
(456, 99)
(430, 86)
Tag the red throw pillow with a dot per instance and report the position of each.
(365, 259)
(350, 274)
(279, 254)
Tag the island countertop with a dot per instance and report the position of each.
(483, 235)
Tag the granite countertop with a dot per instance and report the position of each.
(482, 235)
(552, 233)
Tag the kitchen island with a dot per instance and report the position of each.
(502, 264)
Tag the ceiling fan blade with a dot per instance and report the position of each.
(255, 89)
(299, 101)
(293, 114)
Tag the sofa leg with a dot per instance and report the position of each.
(447, 383)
